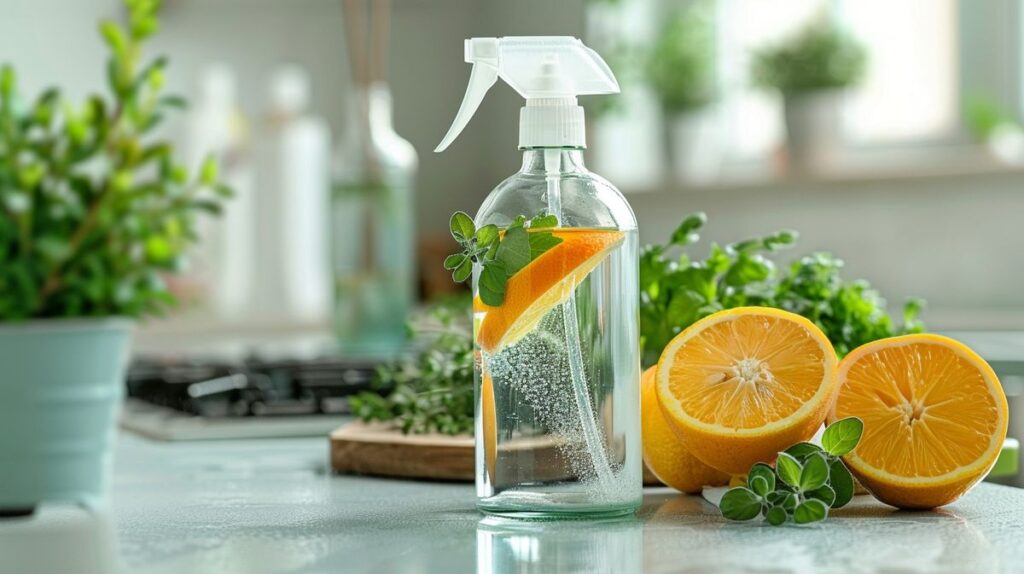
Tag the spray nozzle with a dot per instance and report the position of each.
(549, 71)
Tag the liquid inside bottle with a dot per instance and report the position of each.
(558, 415)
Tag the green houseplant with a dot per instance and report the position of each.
(680, 63)
(811, 70)
(95, 211)
(680, 69)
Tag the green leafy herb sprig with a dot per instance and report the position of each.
(432, 390)
(676, 291)
(501, 252)
(806, 482)
(93, 209)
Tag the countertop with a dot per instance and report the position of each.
(269, 506)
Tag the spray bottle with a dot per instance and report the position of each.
(556, 325)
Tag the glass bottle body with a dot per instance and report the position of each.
(558, 416)
(372, 236)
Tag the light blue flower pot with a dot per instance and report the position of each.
(61, 383)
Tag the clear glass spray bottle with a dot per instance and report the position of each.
(557, 375)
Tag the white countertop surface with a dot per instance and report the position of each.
(269, 506)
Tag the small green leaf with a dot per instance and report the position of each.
(179, 174)
(463, 270)
(788, 469)
(144, 27)
(814, 473)
(461, 226)
(775, 497)
(158, 249)
(740, 504)
(759, 485)
(112, 34)
(156, 79)
(748, 269)
(811, 510)
(514, 250)
(543, 221)
(776, 516)
(541, 242)
(842, 436)
(53, 248)
(492, 283)
(208, 171)
(911, 313)
(780, 240)
(173, 101)
(788, 502)
(764, 471)
(487, 235)
(841, 482)
(208, 205)
(686, 233)
(824, 494)
(452, 262)
(7, 81)
(801, 450)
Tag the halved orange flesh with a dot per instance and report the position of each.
(934, 414)
(664, 453)
(743, 384)
(544, 283)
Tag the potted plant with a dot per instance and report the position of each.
(94, 212)
(993, 126)
(680, 69)
(811, 70)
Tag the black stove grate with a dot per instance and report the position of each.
(250, 388)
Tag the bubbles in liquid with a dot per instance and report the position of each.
(537, 369)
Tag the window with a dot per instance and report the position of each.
(753, 123)
(920, 54)
(909, 93)
(911, 90)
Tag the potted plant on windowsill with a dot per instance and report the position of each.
(811, 70)
(94, 213)
(680, 69)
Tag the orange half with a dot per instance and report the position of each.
(934, 414)
(544, 283)
(664, 453)
(741, 385)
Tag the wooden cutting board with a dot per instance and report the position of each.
(382, 450)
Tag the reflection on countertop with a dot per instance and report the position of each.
(267, 506)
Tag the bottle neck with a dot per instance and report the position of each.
(379, 106)
(542, 160)
(370, 109)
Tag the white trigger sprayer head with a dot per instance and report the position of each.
(549, 71)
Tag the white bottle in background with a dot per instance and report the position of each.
(291, 283)
(223, 263)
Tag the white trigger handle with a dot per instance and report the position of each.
(483, 54)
